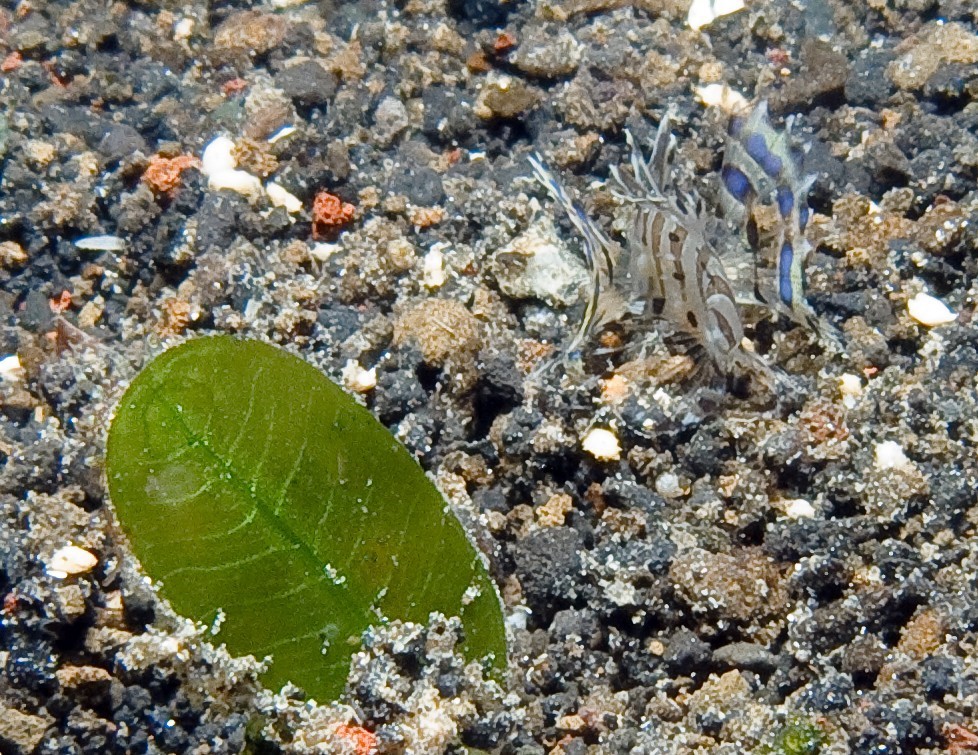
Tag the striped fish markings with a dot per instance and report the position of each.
(760, 170)
(671, 273)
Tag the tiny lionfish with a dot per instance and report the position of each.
(672, 271)
(761, 174)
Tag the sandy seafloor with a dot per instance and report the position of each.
(744, 579)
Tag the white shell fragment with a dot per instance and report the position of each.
(11, 370)
(721, 96)
(929, 311)
(220, 167)
(279, 196)
(281, 133)
(602, 444)
(101, 244)
(218, 156)
(799, 508)
(70, 560)
(356, 378)
(704, 12)
(851, 388)
(889, 455)
(434, 268)
(668, 486)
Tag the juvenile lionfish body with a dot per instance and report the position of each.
(764, 190)
(672, 272)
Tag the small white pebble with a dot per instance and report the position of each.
(218, 156)
(516, 620)
(929, 311)
(323, 251)
(101, 244)
(721, 96)
(851, 388)
(889, 455)
(799, 508)
(667, 485)
(279, 196)
(239, 181)
(434, 269)
(183, 28)
(70, 560)
(704, 12)
(281, 134)
(602, 444)
(218, 164)
(11, 370)
(356, 378)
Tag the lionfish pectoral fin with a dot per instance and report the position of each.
(596, 246)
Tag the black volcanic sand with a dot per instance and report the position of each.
(744, 578)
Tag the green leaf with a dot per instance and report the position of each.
(250, 483)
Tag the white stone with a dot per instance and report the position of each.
(183, 28)
(239, 181)
(10, 369)
(356, 378)
(279, 196)
(101, 244)
(218, 156)
(704, 12)
(602, 444)
(929, 311)
(851, 388)
(536, 265)
(70, 560)
(890, 455)
(433, 273)
(218, 164)
(667, 485)
(281, 134)
(323, 251)
(799, 508)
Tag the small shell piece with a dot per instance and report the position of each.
(70, 560)
(889, 455)
(929, 311)
(101, 244)
(704, 12)
(220, 166)
(602, 444)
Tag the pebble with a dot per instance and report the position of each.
(602, 444)
(851, 388)
(21, 732)
(11, 370)
(434, 269)
(930, 311)
(70, 560)
(668, 486)
(799, 508)
(890, 455)
(220, 167)
(101, 244)
(704, 12)
(356, 378)
(279, 196)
